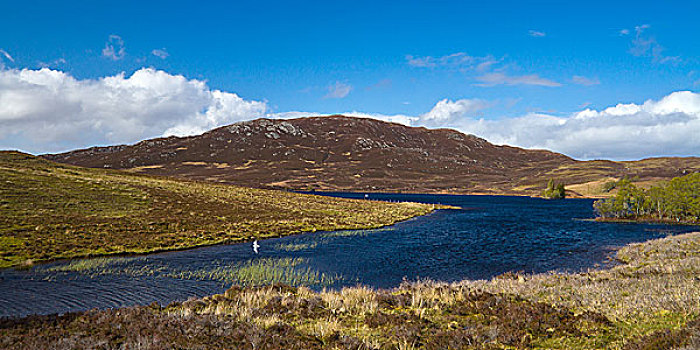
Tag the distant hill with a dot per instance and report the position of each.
(358, 154)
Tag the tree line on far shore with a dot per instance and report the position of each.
(677, 200)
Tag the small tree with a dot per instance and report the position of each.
(554, 191)
(609, 186)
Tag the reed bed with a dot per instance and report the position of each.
(296, 247)
(255, 272)
(263, 271)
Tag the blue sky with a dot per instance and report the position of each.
(381, 58)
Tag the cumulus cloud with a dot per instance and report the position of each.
(537, 34)
(669, 126)
(501, 78)
(446, 112)
(160, 53)
(665, 127)
(48, 110)
(338, 90)
(581, 80)
(114, 48)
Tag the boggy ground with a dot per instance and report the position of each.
(652, 301)
(52, 211)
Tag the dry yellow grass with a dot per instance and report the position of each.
(50, 211)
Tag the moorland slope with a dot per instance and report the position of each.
(342, 153)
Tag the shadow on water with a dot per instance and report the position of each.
(490, 235)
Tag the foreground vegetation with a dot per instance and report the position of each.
(678, 201)
(52, 211)
(652, 301)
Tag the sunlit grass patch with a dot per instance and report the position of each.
(248, 273)
(296, 247)
(7, 245)
(261, 272)
(353, 233)
(91, 265)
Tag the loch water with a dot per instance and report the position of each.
(488, 236)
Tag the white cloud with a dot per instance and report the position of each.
(55, 63)
(581, 80)
(114, 48)
(4, 55)
(338, 90)
(454, 60)
(537, 34)
(446, 112)
(624, 32)
(393, 118)
(500, 78)
(382, 84)
(458, 60)
(644, 45)
(160, 53)
(669, 126)
(47, 110)
(486, 70)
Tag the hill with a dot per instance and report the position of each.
(52, 211)
(358, 154)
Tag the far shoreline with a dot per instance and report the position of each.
(646, 221)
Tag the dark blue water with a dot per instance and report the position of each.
(490, 235)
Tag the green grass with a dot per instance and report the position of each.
(255, 272)
(352, 233)
(296, 247)
(96, 265)
(53, 211)
(263, 272)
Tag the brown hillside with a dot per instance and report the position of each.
(347, 153)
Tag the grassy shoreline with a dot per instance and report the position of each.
(51, 211)
(652, 301)
(646, 220)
